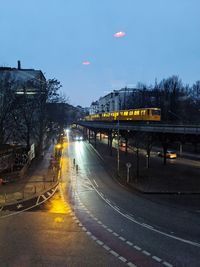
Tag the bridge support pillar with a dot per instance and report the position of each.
(110, 142)
(165, 145)
(126, 148)
(89, 135)
(137, 164)
(95, 139)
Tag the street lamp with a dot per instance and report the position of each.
(118, 160)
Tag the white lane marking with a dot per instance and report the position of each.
(149, 227)
(114, 253)
(99, 242)
(84, 229)
(95, 183)
(123, 259)
(138, 248)
(106, 247)
(99, 222)
(146, 253)
(93, 237)
(130, 264)
(129, 243)
(167, 264)
(29, 208)
(108, 201)
(38, 199)
(109, 230)
(122, 238)
(43, 196)
(117, 208)
(19, 206)
(115, 234)
(96, 152)
(157, 258)
(88, 233)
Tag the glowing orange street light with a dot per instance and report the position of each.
(58, 146)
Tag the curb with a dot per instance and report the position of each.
(20, 201)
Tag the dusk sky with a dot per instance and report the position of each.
(162, 38)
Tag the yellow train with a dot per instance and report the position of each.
(142, 114)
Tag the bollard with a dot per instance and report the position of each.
(76, 167)
(74, 162)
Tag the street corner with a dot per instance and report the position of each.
(28, 204)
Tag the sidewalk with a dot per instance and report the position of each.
(37, 180)
(171, 179)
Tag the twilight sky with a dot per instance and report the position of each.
(162, 38)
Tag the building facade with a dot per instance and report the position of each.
(22, 98)
(116, 100)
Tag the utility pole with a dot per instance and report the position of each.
(118, 160)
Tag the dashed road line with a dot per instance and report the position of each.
(137, 248)
(115, 234)
(106, 247)
(156, 258)
(93, 237)
(130, 264)
(114, 253)
(147, 226)
(99, 242)
(129, 243)
(122, 259)
(146, 253)
(167, 264)
(122, 238)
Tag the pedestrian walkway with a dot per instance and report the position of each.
(39, 178)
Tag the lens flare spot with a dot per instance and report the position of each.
(119, 34)
(86, 62)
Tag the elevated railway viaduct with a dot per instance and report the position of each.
(143, 134)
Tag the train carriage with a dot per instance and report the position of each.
(143, 114)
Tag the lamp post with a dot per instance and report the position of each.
(118, 160)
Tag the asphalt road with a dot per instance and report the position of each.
(142, 231)
(93, 221)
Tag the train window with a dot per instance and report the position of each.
(125, 113)
(142, 112)
(155, 111)
(136, 112)
(131, 112)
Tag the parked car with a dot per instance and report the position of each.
(170, 154)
